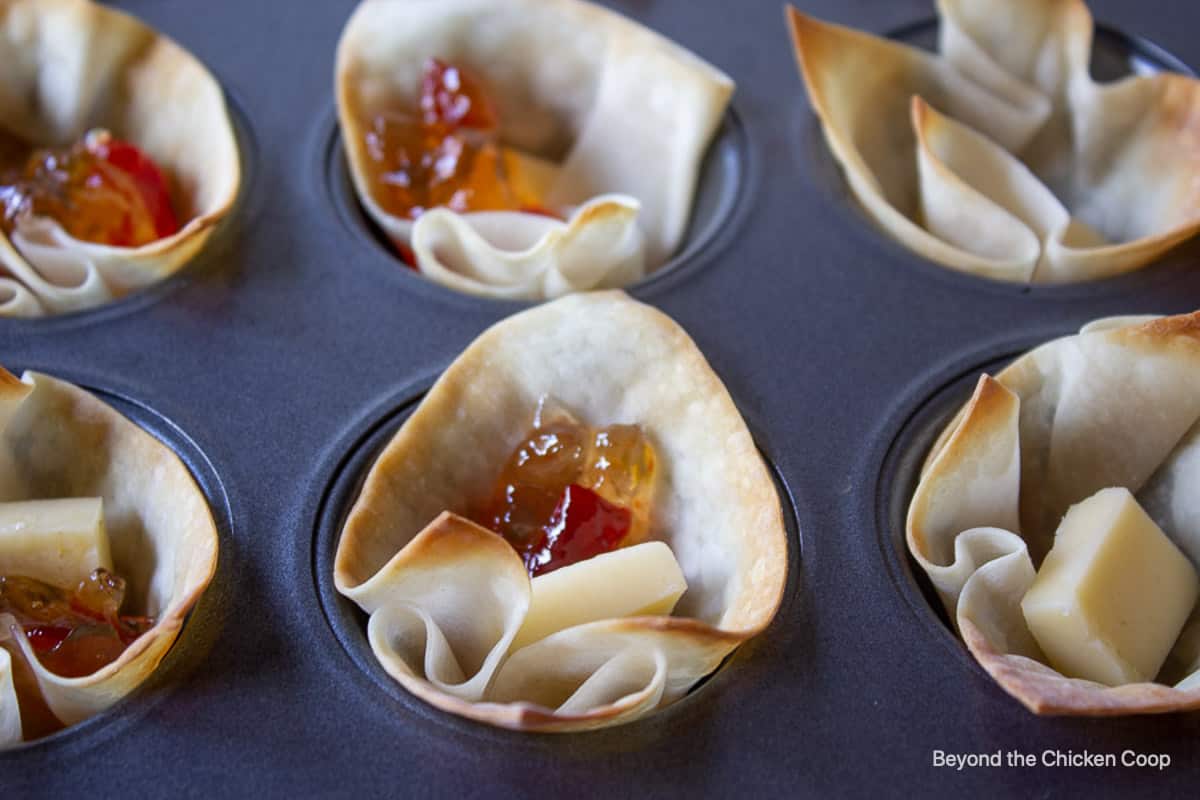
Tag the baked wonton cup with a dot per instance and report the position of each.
(1116, 405)
(446, 597)
(58, 441)
(610, 120)
(71, 66)
(1000, 156)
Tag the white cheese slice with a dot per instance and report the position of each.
(56, 541)
(1113, 593)
(638, 581)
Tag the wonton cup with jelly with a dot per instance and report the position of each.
(72, 66)
(58, 441)
(1117, 405)
(446, 597)
(1000, 156)
(607, 121)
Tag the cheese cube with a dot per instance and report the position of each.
(1113, 593)
(56, 541)
(643, 580)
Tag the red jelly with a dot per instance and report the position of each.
(583, 525)
(100, 190)
(74, 633)
(46, 638)
(570, 492)
(445, 154)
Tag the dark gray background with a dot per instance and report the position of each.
(296, 335)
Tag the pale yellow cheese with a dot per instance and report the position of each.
(643, 580)
(1113, 593)
(56, 541)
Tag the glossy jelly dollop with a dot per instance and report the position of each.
(73, 633)
(444, 153)
(100, 190)
(570, 491)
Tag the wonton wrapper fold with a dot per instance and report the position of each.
(1116, 405)
(590, 102)
(446, 597)
(56, 441)
(1035, 173)
(10, 713)
(73, 65)
(600, 246)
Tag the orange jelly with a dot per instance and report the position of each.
(73, 633)
(445, 153)
(571, 491)
(100, 190)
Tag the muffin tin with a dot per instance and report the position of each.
(281, 360)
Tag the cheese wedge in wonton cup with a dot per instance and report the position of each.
(58, 441)
(446, 597)
(610, 120)
(1001, 157)
(1116, 405)
(71, 66)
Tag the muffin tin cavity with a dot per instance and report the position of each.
(219, 253)
(927, 416)
(719, 197)
(349, 622)
(1115, 55)
(203, 623)
(119, 153)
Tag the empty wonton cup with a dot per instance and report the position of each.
(609, 120)
(71, 66)
(1116, 405)
(1001, 157)
(446, 597)
(58, 441)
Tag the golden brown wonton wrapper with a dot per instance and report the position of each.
(1116, 405)
(446, 597)
(1001, 157)
(57, 440)
(610, 119)
(73, 65)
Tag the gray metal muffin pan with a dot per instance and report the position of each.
(282, 359)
